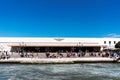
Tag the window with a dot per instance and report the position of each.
(104, 42)
(109, 42)
(114, 42)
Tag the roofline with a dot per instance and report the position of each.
(68, 37)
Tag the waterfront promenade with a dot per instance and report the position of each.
(59, 58)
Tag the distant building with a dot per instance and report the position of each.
(37, 44)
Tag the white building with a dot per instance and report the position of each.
(56, 44)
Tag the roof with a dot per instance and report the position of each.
(54, 39)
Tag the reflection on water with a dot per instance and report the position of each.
(91, 71)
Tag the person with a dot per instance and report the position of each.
(47, 54)
(32, 55)
(53, 56)
(7, 56)
(26, 54)
(98, 53)
(61, 55)
(68, 54)
(3, 56)
(116, 57)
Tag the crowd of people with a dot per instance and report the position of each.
(6, 55)
(82, 54)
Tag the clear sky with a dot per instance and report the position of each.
(59, 18)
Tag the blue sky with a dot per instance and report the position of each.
(59, 18)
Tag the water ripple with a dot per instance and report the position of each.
(96, 71)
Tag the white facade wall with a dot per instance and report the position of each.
(7, 42)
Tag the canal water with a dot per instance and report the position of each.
(84, 71)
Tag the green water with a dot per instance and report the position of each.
(85, 71)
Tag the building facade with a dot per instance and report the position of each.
(56, 44)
